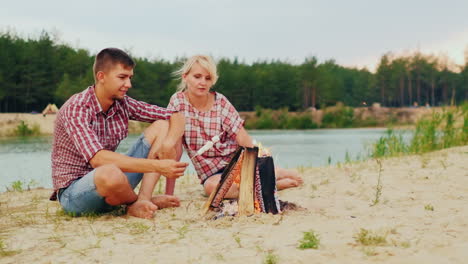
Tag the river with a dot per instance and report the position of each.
(28, 159)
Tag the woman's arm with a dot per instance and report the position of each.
(243, 138)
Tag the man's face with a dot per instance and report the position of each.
(117, 81)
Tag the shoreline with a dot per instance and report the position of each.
(420, 215)
(45, 124)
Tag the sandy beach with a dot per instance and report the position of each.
(419, 217)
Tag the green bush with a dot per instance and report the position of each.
(368, 122)
(258, 111)
(265, 120)
(339, 117)
(280, 119)
(23, 130)
(437, 132)
(464, 133)
(425, 136)
(389, 145)
(301, 121)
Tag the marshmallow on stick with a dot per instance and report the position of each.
(208, 145)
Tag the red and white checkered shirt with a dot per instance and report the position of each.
(201, 126)
(82, 129)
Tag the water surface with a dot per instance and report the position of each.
(28, 159)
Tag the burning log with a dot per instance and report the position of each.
(257, 184)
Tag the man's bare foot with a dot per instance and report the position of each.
(142, 209)
(165, 201)
(285, 183)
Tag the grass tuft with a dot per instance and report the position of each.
(6, 253)
(309, 240)
(138, 228)
(429, 207)
(271, 258)
(378, 187)
(369, 238)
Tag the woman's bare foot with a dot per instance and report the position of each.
(291, 174)
(285, 183)
(142, 209)
(297, 178)
(165, 201)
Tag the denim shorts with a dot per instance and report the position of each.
(81, 197)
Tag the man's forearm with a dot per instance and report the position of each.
(125, 163)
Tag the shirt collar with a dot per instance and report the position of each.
(114, 108)
(94, 101)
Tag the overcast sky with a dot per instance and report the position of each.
(354, 32)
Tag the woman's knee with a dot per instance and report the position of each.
(156, 129)
(179, 150)
(209, 188)
(211, 184)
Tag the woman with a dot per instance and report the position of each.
(208, 114)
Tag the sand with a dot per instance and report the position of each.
(421, 214)
(9, 122)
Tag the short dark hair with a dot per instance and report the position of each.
(110, 57)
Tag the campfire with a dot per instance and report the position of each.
(253, 171)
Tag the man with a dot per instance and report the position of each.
(88, 176)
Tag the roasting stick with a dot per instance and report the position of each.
(208, 145)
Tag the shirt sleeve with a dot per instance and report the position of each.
(76, 120)
(175, 103)
(232, 122)
(144, 112)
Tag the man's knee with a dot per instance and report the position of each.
(157, 128)
(109, 177)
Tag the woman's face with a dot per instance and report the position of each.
(198, 80)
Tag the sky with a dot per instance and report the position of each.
(354, 33)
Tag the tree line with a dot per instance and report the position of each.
(38, 71)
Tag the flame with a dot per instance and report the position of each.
(257, 206)
(263, 151)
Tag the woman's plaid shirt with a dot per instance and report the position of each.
(200, 127)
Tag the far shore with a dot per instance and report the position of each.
(45, 123)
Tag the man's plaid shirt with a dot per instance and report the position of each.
(82, 129)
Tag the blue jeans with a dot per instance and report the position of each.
(81, 196)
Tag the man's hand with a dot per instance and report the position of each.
(171, 168)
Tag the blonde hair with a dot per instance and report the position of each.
(203, 60)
